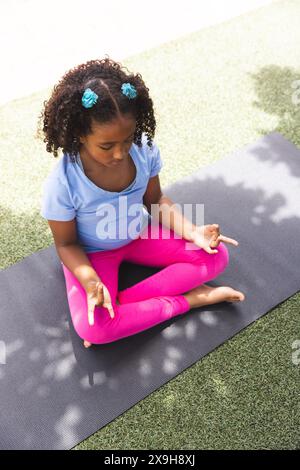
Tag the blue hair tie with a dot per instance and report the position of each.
(89, 98)
(129, 90)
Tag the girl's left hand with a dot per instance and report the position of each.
(207, 236)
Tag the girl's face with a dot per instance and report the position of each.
(109, 143)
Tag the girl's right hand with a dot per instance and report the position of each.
(97, 294)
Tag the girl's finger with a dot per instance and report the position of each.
(217, 227)
(107, 302)
(91, 314)
(99, 292)
(214, 242)
(109, 308)
(228, 240)
(209, 250)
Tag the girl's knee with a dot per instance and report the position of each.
(221, 258)
(95, 335)
(98, 333)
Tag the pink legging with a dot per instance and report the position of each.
(150, 301)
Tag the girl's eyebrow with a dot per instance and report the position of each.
(105, 143)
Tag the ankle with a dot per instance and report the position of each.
(189, 299)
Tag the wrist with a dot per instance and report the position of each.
(190, 233)
(198, 230)
(89, 282)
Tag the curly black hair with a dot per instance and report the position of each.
(64, 119)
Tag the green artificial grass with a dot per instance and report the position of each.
(214, 91)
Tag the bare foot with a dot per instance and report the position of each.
(206, 295)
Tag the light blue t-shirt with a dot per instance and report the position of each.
(105, 220)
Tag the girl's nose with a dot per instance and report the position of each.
(119, 157)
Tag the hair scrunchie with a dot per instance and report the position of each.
(89, 97)
(129, 90)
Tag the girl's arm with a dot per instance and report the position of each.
(71, 253)
(76, 260)
(164, 210)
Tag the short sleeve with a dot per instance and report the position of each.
(56, 202)
(155, 159)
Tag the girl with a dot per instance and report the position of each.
(102, 117)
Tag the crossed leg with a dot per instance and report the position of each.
(183, 270)
(149, 302)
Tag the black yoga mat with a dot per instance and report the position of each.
(54, 393)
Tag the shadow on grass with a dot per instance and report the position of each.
(278, 94)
